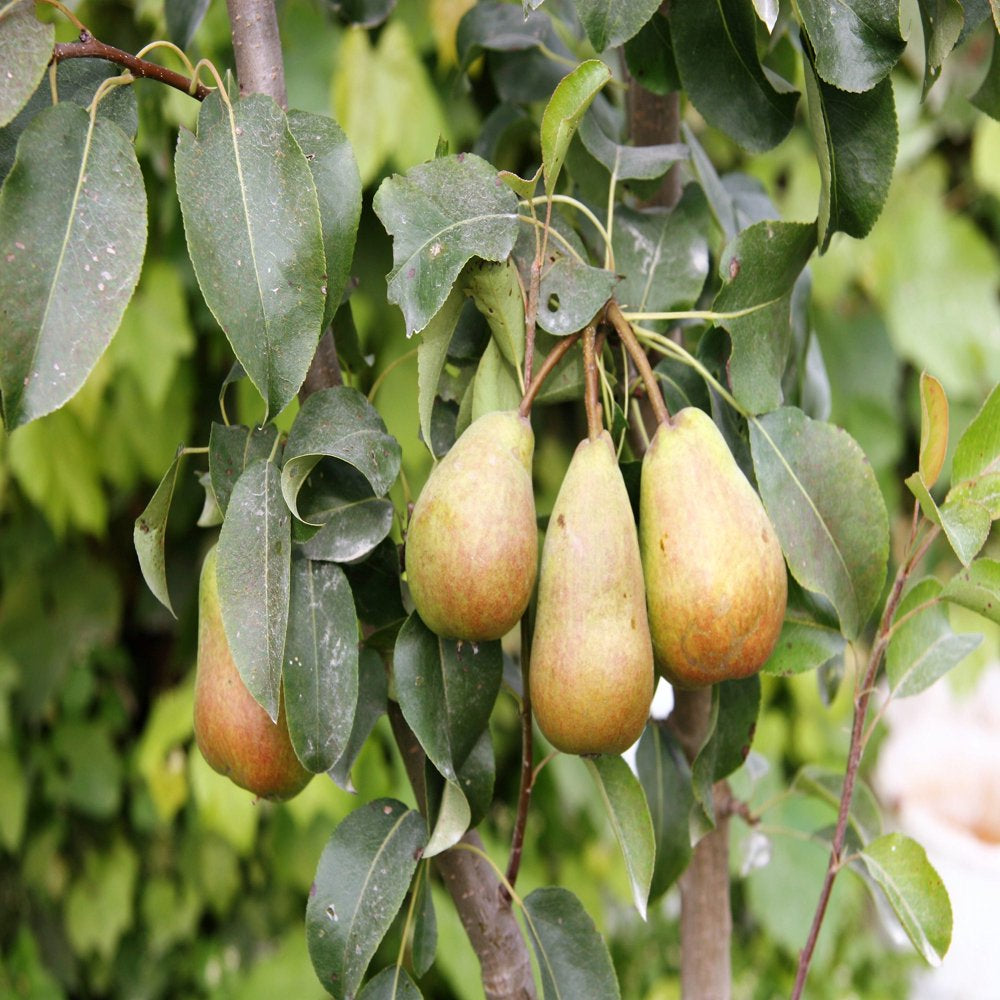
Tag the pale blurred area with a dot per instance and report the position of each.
(938, 777)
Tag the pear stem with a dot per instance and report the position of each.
(595, 424)
(552, 359)
(624, 330)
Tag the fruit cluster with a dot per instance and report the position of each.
(699, 590)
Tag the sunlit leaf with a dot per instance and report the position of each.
(72, 239)
(978, 450)
(933, 428)
(451, 818)
(977, 588)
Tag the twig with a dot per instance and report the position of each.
(624, 330)
(553, 358)
(89, 47)
(595, 424)
(527, 763)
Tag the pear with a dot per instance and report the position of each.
(715, 577)
(235, 735)
(472, 542)
(591, 672)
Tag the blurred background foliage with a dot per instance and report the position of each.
(127, 867)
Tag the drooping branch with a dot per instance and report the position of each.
(89, 47)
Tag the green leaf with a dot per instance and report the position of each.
(497, 386)
(856, 136)
(804, 645)
(432, 353)
(452, 817)
(571, 294)
(572, 957)
(254, 569)
(496, 291)
(626, 806)
(477, 778)
(650, 57)
(562, 115)
(915, 892)
(446, 691)
(392, 983)
(183, 18)
(72, 238)
(923, 648)
(372, 699)
(715, 45)
(321, 663)
(610, 22)
(821, 495)
(933, 428)
(425, 936)
(759, 269)
(339, 423)
(663, 255)
(353, 519)
(629, 162)
(666, 779)
(857, 42)
(376, 585)
(362, 878)
(231, 448)
(338, 187)
(942, 22)
(987, 97)
(252, 221)
(977, 588)
(442, 214)
(720, 201)
(100, 905)
(966, 523)
(150, 532)
(681, 385)
(25, 51)
(864, 816)
(501, 27)
(978, 450)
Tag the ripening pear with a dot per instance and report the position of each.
(591, 672)
(235, 735)
(472, 542)
(715, 577)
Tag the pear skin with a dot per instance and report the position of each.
(472, 542)
(235, 735)
(591, 671)
(716, 588)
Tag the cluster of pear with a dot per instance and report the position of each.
(699, 590)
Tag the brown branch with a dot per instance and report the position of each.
(257, 47)
(527, 761)
(591, 401)
(552, 359)
(483, 908)
(624, 330)
(90, 48)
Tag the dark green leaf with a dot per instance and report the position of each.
(923, 648)
(502, 27)
(572, 957)
(629, 814)
(715, 45)
(666, 779)
(662, 255)
(72, 238)
(376, 586)
(442, 214)
(856, 137)
(857, 42)
(720, 201)
(827, 786)
(363, 13)
(446, 691)
(571, 293)
(804, 645)
(496, 387)
(562, 115)
(339, 423)
(681, 385)
(987, 97)
(914, 890)
(933, 428)
(392, 983)
(496, 290)
(566, 381)
(353, 519)
(827, 509)
(610, 22)
(372, 698)
(629, 162)
(650, 57)
(183, 18)
(424, 945)
(254, 580)
(362, 878)
(942, 22)
(150, 532)
(252, 221)
(759, 270)
(338, 186)
(977, 588)
(477, 777)
(25, 51)
(321, 663)
(230, 450)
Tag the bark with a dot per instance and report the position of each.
(259, 66)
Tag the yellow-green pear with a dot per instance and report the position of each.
(715, 577)
(235, 735)
(591, 671)
(472, 542)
